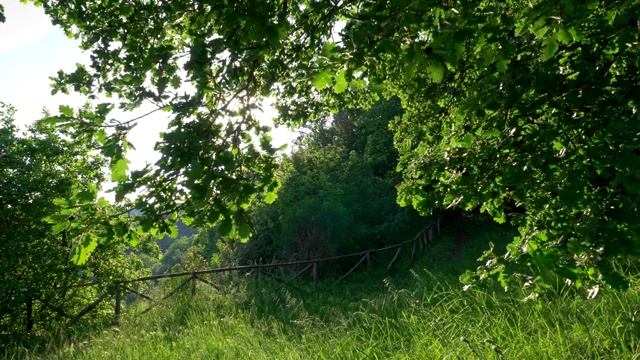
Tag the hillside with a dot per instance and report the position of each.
(416, 311)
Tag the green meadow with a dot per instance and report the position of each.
(418, 310)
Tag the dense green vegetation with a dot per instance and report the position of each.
(525, 110)
(337, 193)
(518, 112)
(417, 311)
(38, 170)
(337, 196)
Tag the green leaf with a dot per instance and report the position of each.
(575, 34)
(58, 228)
(126, 10)
(66, 110)
(61, 202)
(89, 194)
(327, 49)
(436, 71)
(225, 227)
(491, 133)
(564, 36)
(467, 140)
(270, 197)
(101, 137)
(103, 202)
(133, 239)
(500, 217)
(244, 231)
(80, 253)
(502, 65)
(85, 196)
(322, 79)
(377, 88)
(341, 83)
(119, 170)
(173, 231)
(541, 31)
(550, 48)
(53, 120)
(410, 70)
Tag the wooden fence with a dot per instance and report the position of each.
(407, 248)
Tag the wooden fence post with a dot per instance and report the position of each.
(315, 274)
(368, 260)
(255, 276)
(424, 238)
(193, 284)
(29, 313)
(118, 298)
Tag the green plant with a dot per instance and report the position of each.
(525, 110)
(40, 169)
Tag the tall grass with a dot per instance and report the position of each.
(417, 311)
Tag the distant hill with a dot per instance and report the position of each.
(183, 230)
(166, 241)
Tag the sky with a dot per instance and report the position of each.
(32, 50)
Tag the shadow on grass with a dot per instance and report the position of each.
(437, 267)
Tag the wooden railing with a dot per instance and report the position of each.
(409, 248)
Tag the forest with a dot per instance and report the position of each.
(515, 123)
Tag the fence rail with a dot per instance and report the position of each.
(421, 241)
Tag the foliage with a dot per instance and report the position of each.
(39, 169)
(192, 252)
(337, 194)
(206, 241)
(182, 230)
(536, 110)
(512, 103)
(173, 256)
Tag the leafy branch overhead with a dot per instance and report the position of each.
(526, 110)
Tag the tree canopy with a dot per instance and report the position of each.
(337, 193)
(39, 169)
(508, 104)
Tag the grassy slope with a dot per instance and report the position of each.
(415, 312)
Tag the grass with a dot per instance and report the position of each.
(417, 311)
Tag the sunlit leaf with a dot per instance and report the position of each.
(341, 84)
(322, 79)
(66, 110)
(437, 72)
(119, 170)
(80, 252)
